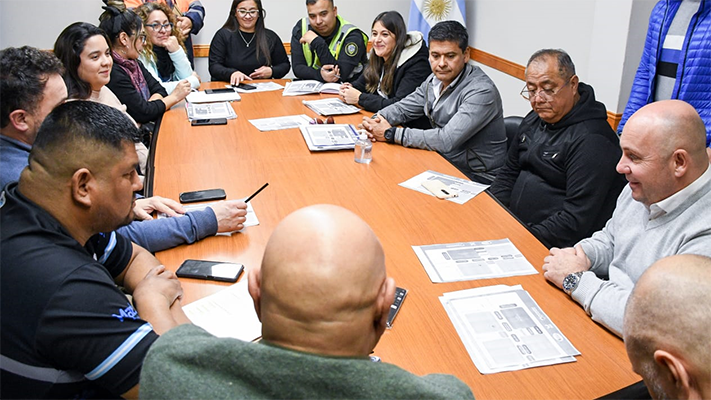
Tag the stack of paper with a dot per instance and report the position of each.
(467, 261)
(227, 313)
(298, 88)
(503, 329)
(259, 87)
(204, 97)
(330, 106)
(277, 123)
(329, 136)
(210, 110)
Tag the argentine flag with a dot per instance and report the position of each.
(424, 14)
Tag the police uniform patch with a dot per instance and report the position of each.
(351, 49)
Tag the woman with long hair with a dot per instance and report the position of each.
(84, 50)
(164, 53)
(146, 100)
(243, 49)
(397, 65)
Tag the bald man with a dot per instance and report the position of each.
(663, 211)
(67, 331)
(668, 328)
(323, 308)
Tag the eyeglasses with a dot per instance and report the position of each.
(546, 94)
(243, 13)
(142, 38)
(158, 27)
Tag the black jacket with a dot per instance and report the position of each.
(560, 179)
(136, 106)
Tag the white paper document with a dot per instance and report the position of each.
(468, 261)
(465, 189)
(332, 106)
(209, 110)
(503, 329)
(251, 216)
(299, 88)
(278, 123)
(260, 87)
(329, 136)
(203, 97)
(227, 313)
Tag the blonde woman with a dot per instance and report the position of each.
(164, 53)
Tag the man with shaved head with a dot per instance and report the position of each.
(663, 211)
(668, 328)
(323, 297)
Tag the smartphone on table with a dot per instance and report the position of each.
(210, 121)
(202, 195)
(210, 270)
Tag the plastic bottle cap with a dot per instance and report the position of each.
(362, 136)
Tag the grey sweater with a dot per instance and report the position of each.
(630, 243)
(187, 363)
(468, 125)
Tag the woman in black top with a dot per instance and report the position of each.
(243, 49)
(397, 65)
(145, 99)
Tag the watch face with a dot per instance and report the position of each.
(570, 282)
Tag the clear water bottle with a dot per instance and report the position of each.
(363, 149)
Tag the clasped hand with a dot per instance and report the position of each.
(560, 263)
(375, 127)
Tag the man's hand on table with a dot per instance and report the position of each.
(231, 215)
(563, 262)
(145, 206)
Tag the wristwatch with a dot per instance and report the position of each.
(571, 282)
(390, 134)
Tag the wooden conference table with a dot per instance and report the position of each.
(239, 158)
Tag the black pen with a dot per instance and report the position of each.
(256, 193)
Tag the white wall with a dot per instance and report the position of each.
(604, 37)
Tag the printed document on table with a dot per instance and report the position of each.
(503, 329)
(209, 110)
(227, 313)
(465, 189)
(203, 97)
(277, 123)
(329, 136)
(251, 216)
(332, 106)
(468, 261)
(260, 87)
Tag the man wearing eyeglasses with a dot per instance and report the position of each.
(325, 47)
(559, 177)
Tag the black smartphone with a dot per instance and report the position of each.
(245, 86)
(202, 195)
(223, 90)
(211, 121)
(210, 270)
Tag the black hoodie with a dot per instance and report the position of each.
(560, 179)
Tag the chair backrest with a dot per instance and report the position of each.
(511, 123)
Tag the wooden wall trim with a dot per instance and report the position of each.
(498, 63)
(480, 56)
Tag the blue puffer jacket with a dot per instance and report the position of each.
(693, 80)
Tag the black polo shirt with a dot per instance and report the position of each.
(66, 330)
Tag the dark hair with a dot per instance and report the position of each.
(312, 2)
(68, 48)
(259, 30)
(566, 68)
(74, 124)
(450, 31)
(23, 75)
(116, 19)
(393, 22)
(145, 10)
